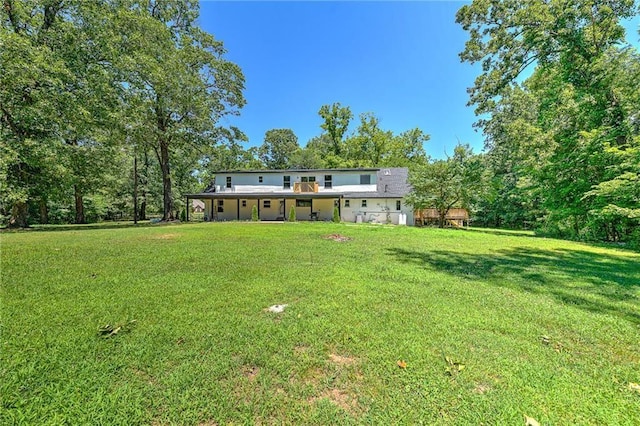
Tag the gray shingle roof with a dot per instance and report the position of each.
(392, 183)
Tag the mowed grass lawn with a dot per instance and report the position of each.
(525, 326)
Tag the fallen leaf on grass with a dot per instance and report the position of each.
(530, 421)
(402, 364)
(453, 367)
(109, 330)
(634, 386)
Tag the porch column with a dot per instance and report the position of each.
(259, 210)
(284, 210)
(238, 209)
(187, 204)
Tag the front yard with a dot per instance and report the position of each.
(169, 324)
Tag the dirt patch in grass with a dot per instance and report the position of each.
(144, 376)
(481, 388)
(301, 349)
(342, 360)
(164, 236)
(250, 372)
(340, 398)
(337, 237)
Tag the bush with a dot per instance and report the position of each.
(292, 214)
(336, 215)
(254, 213)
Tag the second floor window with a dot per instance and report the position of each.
(259, 179)
(364, 203)
(328, 181)
(286, 182)
(365, 179)
(228, 181)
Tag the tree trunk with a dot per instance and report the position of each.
(167, 213)
(142, 212)
(19, 214)
(135, 189)
(442, 214)
(44, 211)
(77, 194)
(143, 207)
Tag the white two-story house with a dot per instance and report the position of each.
(361, 195)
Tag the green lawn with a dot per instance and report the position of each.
(544, 328)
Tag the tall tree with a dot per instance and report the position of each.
(56, 88)
(279, 148)
(445, 184)
(181, 81)
(370, 144)
(581, 108)
(336, 122)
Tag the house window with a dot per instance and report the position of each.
(364, 203)
(365, 179)
(308, 178)
(286, 182)
(228, 181)
(328, 181)
(244, 203)
(259, 179)
(398, 204)
(346, 203)
(220, 206)
(303, 203)
(266, 204)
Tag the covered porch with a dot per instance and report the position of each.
(270, 206)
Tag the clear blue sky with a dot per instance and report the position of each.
(398, 60)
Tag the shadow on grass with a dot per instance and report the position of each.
(85, 227)
(592, 281)
(508, 232)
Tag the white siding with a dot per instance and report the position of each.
(378, 210)
(274, 182)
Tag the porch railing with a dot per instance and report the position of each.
(305, 187)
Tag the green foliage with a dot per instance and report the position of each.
(445, 184)
(292, 214)
(84, 83)
(279, 148)
(254, 213)
(336, 121)
(336, 214)
(561, 144)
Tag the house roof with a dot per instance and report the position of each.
(265, 195)
(363, 169)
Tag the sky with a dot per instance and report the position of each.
(398, 60)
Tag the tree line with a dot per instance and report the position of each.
(115, 106)
(90, 90)
(563, 144)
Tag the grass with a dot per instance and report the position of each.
(544, 328)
